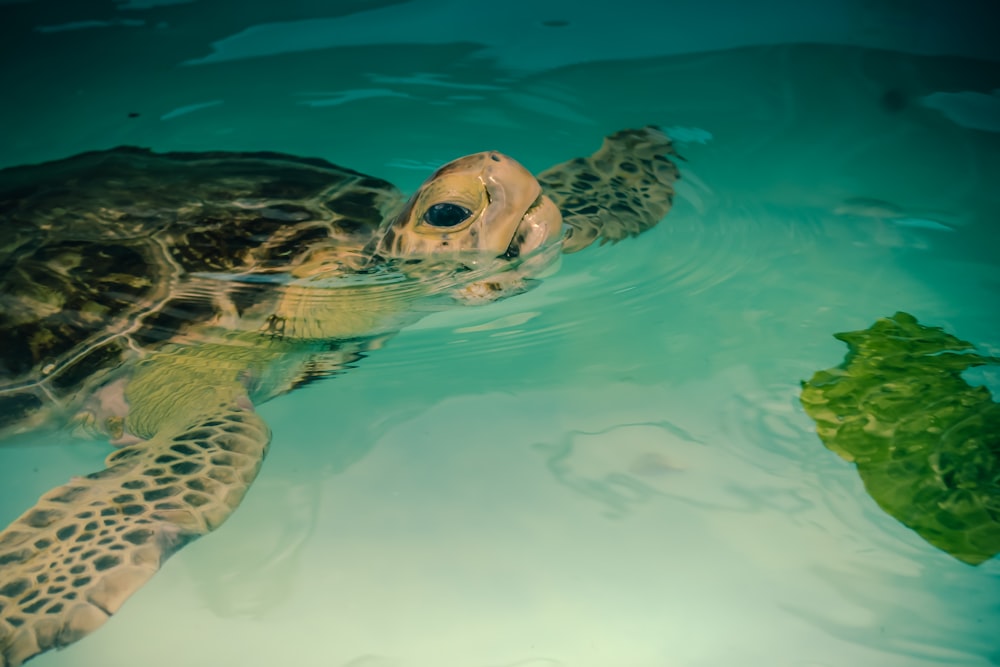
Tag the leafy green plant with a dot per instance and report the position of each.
(925, 442)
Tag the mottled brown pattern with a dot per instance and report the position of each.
(71, 561)
(92, 245)
(622, 190)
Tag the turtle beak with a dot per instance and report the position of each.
(519, 218)
(540, 226)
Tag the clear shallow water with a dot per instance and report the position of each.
(613, 469)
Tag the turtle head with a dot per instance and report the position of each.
(484, 205)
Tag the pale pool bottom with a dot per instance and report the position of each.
(564, 525)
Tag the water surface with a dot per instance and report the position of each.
(613, 469)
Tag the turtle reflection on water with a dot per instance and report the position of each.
(155, 299)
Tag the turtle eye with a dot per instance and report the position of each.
(446, 215)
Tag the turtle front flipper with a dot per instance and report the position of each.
(68, 563)
(622, 190)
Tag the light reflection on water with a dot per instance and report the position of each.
(612, 469)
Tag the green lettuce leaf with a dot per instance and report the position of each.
(925, 442)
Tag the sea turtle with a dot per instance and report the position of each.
(155, 299)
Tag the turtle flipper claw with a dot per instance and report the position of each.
(68, 563)
(622, 190)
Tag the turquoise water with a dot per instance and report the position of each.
(613, 469)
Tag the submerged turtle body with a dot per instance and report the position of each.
(155, 299)
(102, 254)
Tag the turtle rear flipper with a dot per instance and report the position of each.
(622, 190)
(68, 563)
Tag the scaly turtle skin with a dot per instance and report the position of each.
(155, 299)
